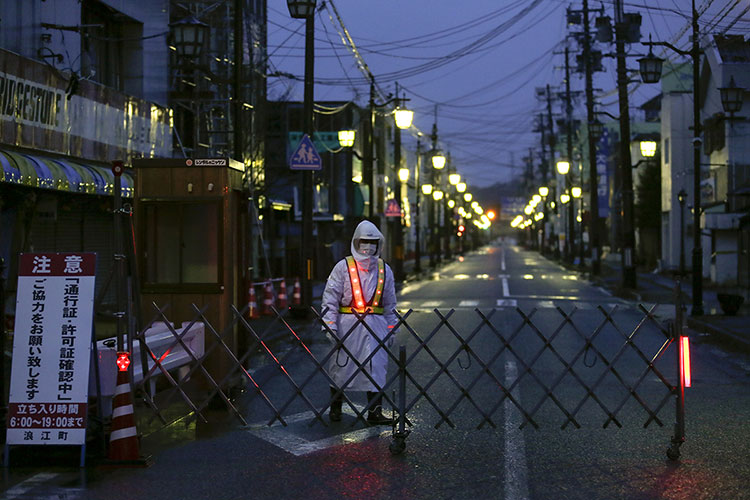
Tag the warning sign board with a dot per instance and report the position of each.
(392, 208)
(49, 378)
(305, 157)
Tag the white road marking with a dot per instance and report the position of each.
(546, 304)
(20, 490)
(506, 290)
(468, 303)
(298, 446)
(502, 259)
(432, 304)
(506, 303)
(412, 287)
(604, 291)
(516, 473)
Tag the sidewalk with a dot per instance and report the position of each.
(733, 330)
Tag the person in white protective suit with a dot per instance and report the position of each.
(364, 283)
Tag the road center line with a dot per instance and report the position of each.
(516, 472)
(506, 290)
(502, 258)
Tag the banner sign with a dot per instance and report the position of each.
(49, 378)
(603, 151)
(45, 109)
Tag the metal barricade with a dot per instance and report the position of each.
(603, 366)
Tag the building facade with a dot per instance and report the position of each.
(81, 84)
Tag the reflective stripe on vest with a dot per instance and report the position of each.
(358, 300)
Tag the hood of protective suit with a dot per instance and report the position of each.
(368, 231)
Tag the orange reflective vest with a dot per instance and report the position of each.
(358, 300)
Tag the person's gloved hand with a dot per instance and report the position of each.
(331, 335)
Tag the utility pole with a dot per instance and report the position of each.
(369, 167)
(569, 152)
(697, 245)
(397, 224)
(237, 129)
(543, 171)
(629, 279)
(435, 247)
(593, 180)
(418, 193)
(552, 189)
(307, 175)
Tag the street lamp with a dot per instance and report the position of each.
(681, 197)
(403, 174)
(402, 117)
(650, 68)
(346, 138)
(648, 148)
(188, 37)
(732, 97)
(301, 9)
(304, 9)
(438, 160)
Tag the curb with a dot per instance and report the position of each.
(722, 334)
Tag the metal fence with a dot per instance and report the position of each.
(578, 367)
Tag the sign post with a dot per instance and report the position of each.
(49, 378)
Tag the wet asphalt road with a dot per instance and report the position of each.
(510, 326)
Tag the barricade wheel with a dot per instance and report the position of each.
(673, 453)
(398, 445)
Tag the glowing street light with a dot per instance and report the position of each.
(346, 138)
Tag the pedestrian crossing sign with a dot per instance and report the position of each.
(305, 157)
(392, 209)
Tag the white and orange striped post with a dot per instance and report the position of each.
(282, 300)
(123, 439)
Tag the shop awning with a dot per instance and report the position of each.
(60, 174)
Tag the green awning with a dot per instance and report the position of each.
(60, 174)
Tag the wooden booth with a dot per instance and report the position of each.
(189, 216)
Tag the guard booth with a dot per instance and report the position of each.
(190, 244)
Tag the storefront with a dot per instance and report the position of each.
(58, 137)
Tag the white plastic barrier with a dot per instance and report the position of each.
(158, 338)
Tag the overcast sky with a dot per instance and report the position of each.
(479, 61)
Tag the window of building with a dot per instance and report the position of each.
(111, 48)
(176, 254)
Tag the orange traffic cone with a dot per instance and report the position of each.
(283, 304)
(123, 440)
(297, 293)
(253, 312)
(267, 300)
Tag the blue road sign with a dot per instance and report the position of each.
(305, 157)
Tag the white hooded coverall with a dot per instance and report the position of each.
(360, 343)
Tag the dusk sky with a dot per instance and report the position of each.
(479, 61)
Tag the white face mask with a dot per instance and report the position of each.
(367, 248)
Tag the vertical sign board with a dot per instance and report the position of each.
(51, 349)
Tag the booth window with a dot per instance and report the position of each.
(182, 245)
